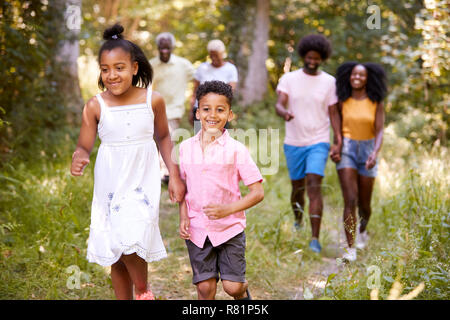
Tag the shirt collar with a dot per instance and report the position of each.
(221, 140)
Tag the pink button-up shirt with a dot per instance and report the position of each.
(213, 177)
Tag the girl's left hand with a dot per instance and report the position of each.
(177, 189)
(371, 161)
(215, 211)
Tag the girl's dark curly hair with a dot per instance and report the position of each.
(376, 87)
(114, 39)
(218, 87)
(314, 42)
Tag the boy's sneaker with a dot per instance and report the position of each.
(362, 239)
(349, 255)
(314, 245)
(297, 226)
(248, 297)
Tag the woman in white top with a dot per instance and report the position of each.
(217, 69)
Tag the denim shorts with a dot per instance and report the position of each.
(355, 154)
(309, 159)
(227, 259)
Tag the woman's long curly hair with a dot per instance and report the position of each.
(376, 87)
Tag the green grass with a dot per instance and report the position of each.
(45, 216)
(43, 229)
(410, 229)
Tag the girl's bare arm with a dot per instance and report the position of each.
(379, 126)
(86, 139)
(162, 135)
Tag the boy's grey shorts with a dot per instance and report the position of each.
(227, 259)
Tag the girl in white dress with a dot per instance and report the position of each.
(124, 230)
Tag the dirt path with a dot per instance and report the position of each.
(315, 281)
(171, 278)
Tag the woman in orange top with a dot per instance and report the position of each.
(359, 117)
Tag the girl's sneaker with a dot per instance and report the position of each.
(349, 255)
(362, 239)
(148, 295)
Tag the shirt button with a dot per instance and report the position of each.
(128, 123)
(128, 137)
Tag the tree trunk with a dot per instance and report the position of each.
(255, 83)
(67, 55)
(252, 33)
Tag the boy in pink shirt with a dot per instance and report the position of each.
(212, 217)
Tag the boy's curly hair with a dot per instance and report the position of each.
(218, 87)
(376, 86)
(314, 42)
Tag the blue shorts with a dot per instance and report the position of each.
(307, 159)
(354, 155)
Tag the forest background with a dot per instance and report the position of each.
(49, 69)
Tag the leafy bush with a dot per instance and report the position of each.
(29, 99)
(409, 228)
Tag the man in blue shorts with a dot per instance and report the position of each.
(304, 97)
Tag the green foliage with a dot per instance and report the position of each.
(29, 99)
(409, 228)
(192, 22)
(43, 226)
(411, 43)
(408, 33)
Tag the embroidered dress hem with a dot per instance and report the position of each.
(147, 255)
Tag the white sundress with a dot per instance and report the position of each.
(127, 186)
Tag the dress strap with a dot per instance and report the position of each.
(101, 101)
(103, 110)
(149, 99)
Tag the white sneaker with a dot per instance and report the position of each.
(350, 254)
(362, 239)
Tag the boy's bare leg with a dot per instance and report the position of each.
(235, 289)
(206, 290)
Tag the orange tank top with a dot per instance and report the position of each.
(358, 119)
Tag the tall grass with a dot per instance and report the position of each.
(409, 226)
(44, 224)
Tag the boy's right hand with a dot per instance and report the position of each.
(184, 228)
(79, 162)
